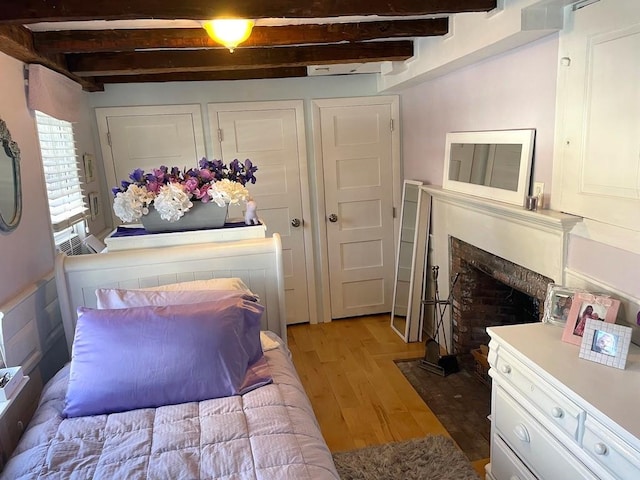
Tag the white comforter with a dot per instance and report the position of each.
(269, 433)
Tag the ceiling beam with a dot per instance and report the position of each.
(85, 41)
(34, 11)
(135, 63)
(17, 42)
(253, 74)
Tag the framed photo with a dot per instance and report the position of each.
(88, 163)
(94, 205)
(557, 304)
(585, 306)
(605, 343)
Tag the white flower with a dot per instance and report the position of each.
(226, 191)
(172, 202)
(129, 206)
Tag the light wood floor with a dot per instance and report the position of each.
(358, 394)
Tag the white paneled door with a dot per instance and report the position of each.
(272, 136)
(359, 154)
(148, 137)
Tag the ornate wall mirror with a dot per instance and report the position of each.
(410, 262)
(490, 164)
(10, 189)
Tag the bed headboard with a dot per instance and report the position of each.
(258, 262)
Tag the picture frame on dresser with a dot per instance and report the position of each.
(605, 343)
(588, 306)
(557, 304)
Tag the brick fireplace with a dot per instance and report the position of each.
(502, 252)
(490, 291)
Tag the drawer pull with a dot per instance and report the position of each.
(20, 426)
(521, 432)
(600, 449)
(557, 412)
(506, 369)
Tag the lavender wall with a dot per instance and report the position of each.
(27, 253)
(513, 90)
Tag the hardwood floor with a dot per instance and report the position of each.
(358, 394)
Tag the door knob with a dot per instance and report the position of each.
(333, 218)
(296, 222)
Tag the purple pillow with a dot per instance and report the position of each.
(143, 357)
(121, 298)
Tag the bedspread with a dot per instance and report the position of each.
(268, 433)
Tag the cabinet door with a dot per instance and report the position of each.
(598, 123)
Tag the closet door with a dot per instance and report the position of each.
(598, 123)
(272, 136)
(358, 144)
(147, 137)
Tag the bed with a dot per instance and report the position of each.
(92, 420)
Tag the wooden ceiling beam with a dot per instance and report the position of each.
(254, 74)
(17, 42)
(171, 61)
(85, 41)
(34, 11)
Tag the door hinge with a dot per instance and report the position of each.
(220, 135)
(109, 138)
(394, 212)
(582, 4)
(391, 125)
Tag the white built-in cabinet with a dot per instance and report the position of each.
(597, 164)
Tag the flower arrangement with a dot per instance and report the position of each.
(171, 191)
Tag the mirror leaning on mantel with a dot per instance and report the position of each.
(490, 164)
(406, 312)
(10, 188)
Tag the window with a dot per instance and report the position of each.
(64, 189)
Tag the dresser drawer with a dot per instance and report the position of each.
(610, 451)
(533, 444)
(554, 406)
(505, 465)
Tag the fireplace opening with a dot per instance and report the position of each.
(490, 291)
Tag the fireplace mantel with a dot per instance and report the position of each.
(536, 240)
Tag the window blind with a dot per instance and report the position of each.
(59, 161)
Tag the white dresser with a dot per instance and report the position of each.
(555, 416)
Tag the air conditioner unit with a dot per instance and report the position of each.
(72, 246)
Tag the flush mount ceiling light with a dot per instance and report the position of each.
(229, 32)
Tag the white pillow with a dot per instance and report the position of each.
(110, 298)
(231, 283)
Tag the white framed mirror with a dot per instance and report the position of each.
(406, 319)
(490, 164)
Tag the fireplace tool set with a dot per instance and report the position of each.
(434, 360)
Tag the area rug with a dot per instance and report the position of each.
(461, 402)
(429, 458)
